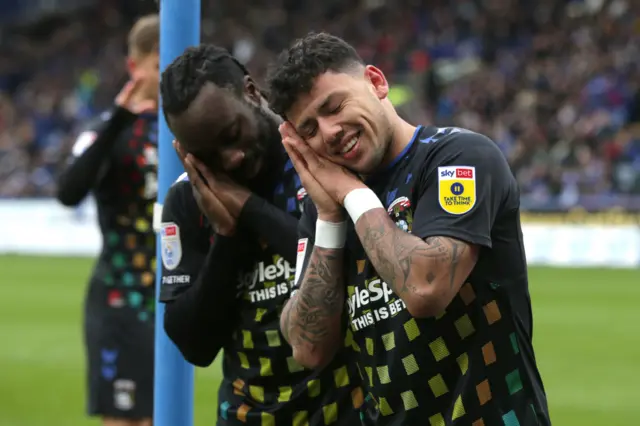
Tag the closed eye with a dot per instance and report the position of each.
(231, 134)
(311, 131)
(336, 109)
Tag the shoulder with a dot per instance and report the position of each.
(101, 118)
(472, 141)
(443, 138)
(452, 153)
(180, 192)
(179, 201)
(184, 177)
(443, 146)
(90, 130)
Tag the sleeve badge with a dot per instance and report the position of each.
(170, 245)
(457, 189)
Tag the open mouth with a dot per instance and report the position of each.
(349, 149)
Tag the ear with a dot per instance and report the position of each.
(378, 81)
(155, 56)
(232, 159)
(251, 91)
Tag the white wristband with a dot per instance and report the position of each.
(359, 201)
(330, 235)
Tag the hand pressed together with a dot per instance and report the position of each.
(220, 199)
(326, 183)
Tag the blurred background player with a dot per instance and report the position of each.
(229, 234)
(116, 160)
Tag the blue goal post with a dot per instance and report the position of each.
(173, 376)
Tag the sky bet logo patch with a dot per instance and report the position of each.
(457, 188)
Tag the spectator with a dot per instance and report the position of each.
(555, 83)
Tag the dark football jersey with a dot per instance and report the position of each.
(262, 383)
(125, 189)
(474, 364)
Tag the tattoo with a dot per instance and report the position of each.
(395, 255)
(313, 317)
(457, 249)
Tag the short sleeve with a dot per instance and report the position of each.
(306, 239)
(463, 189)
(184, 244)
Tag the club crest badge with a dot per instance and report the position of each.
(124, 394)
(400, 212)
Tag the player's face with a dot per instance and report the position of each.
(343, 118)
(227, 132)
(147, 68)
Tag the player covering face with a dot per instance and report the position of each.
(430, 267)
(227, 127)
(229, 237)
(115, 158)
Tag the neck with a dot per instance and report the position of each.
(402, 135)
(271, 169)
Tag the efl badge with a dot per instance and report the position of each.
(400, 212)
(84, 141)
(171, 247)
(302, 253)
(457, 188)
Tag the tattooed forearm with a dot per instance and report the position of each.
(409, 264)
(311, 320)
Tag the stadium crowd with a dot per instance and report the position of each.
(555, 83)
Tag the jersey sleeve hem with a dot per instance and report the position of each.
(170, 292)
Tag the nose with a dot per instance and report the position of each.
(330, 130)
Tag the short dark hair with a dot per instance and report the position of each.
(144, 36)
(182, 80)
(297, 67)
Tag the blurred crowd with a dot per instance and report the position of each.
(555, 83)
